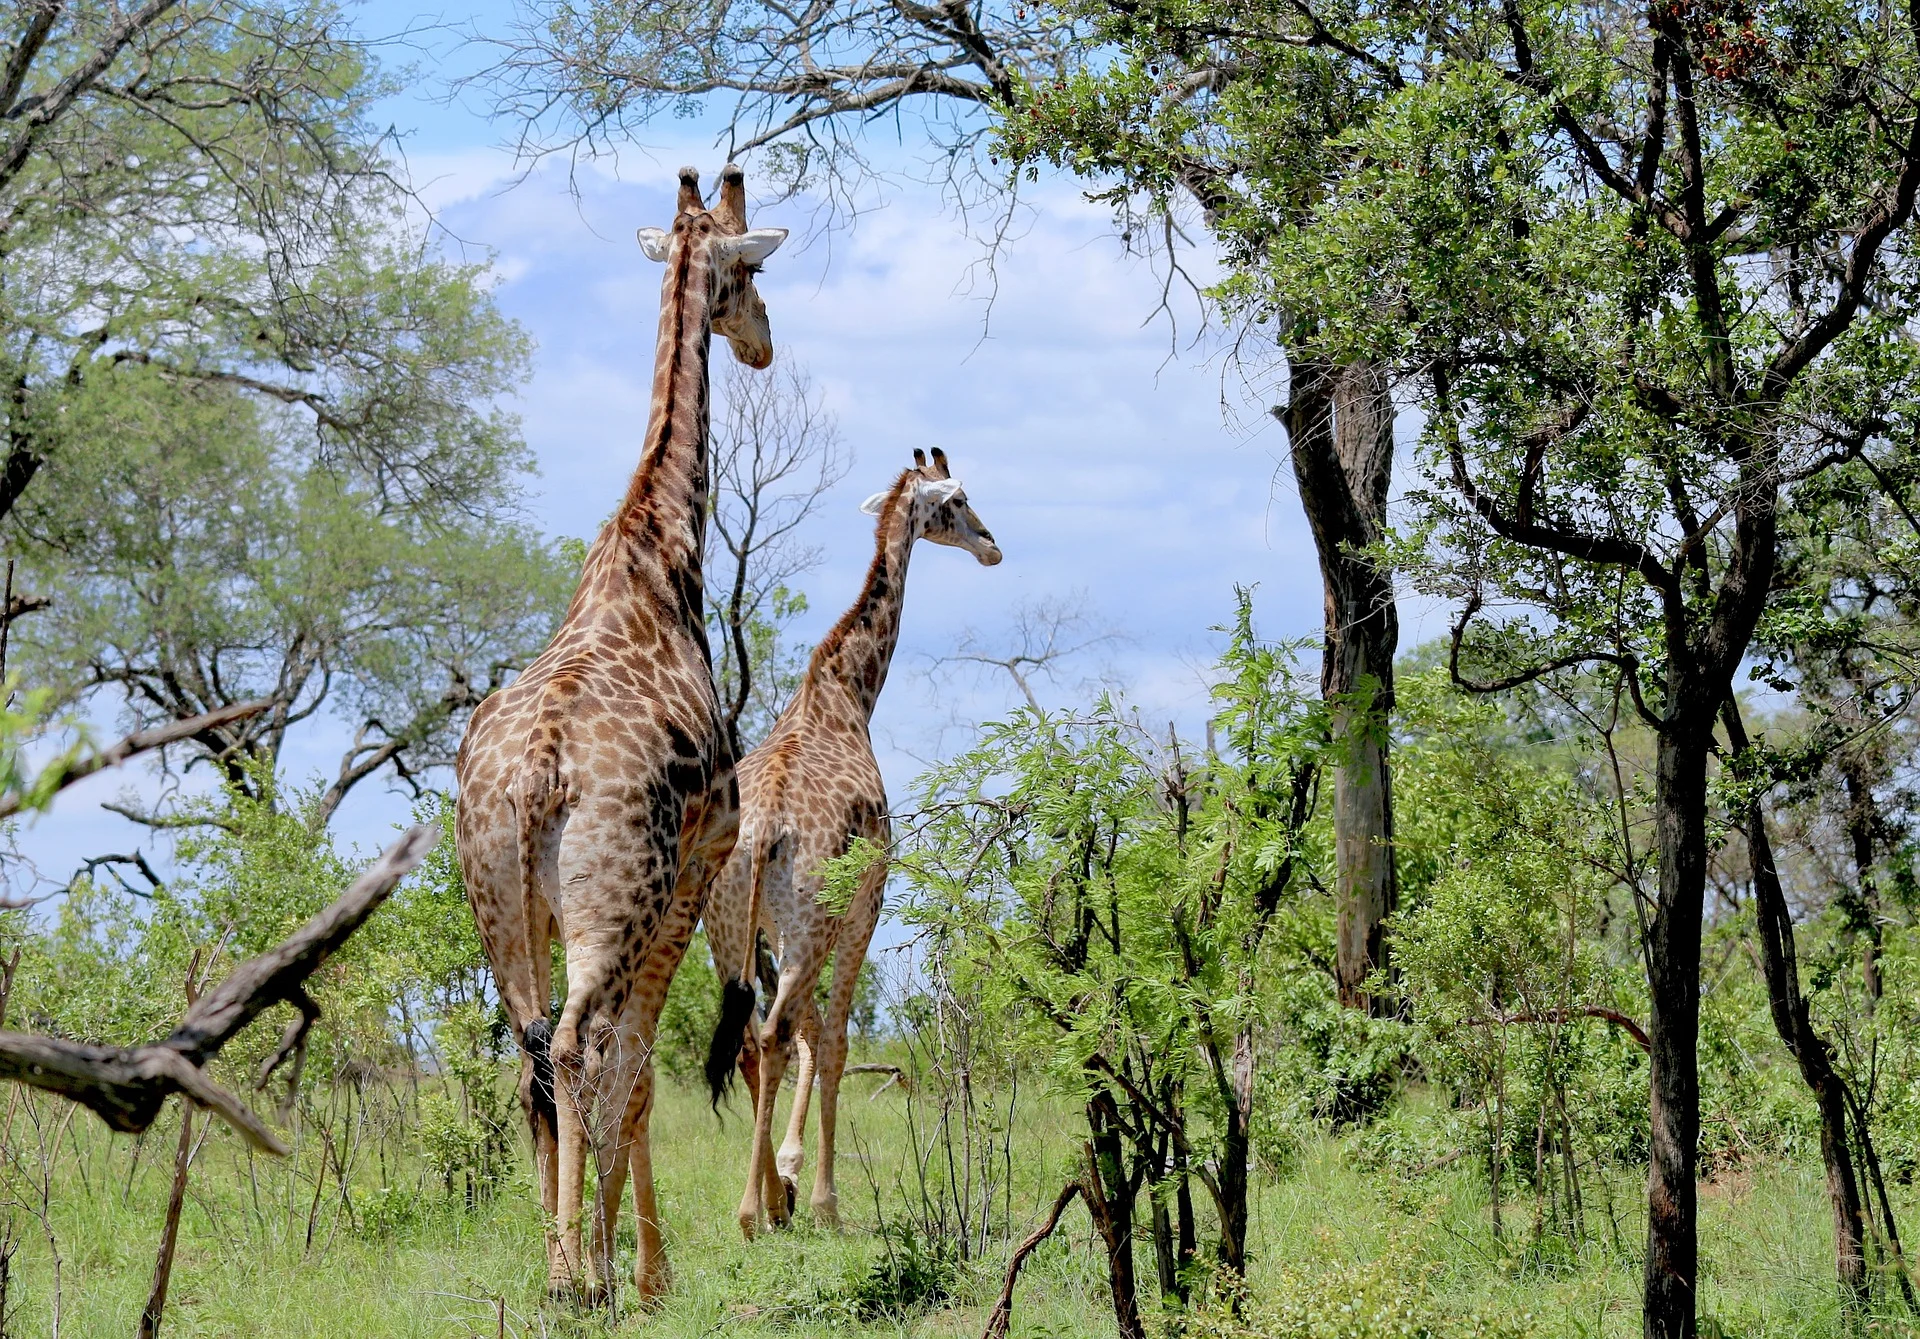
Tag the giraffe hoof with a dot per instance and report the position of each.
(747, 1225)
(792, 1191)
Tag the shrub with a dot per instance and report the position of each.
(1382, 1299)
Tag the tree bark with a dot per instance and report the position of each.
(1673, 1027)
(1861, 904)
(1236, 1149)
(1339, 423)
(1792, 1021)
(1109, 1199)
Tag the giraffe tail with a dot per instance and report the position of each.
(736, 992)
(536, 790)
(538, 1041)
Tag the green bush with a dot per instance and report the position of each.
(1384, 1299)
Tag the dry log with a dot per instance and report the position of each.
(125, 1086)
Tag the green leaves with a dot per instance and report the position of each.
(842, 877)
(1110, 895)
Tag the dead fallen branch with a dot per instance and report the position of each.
(140, 741)
(895, 1073)
(1002, 1317)
(126, 1086)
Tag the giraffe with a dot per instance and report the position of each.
(597, 793)
(805, 794)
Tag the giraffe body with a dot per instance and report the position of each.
(805, 794)
(597, 793)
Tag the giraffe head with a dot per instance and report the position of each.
(719, 238)
(939, 508)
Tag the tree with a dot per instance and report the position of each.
(1647, 277)
(799, 85)
(1114, 900)
(215, 284)
(195, 188)
(201, 551)
(1042, 635)
(776, 453)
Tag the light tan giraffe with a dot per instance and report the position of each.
(805, 794)
(597, 793)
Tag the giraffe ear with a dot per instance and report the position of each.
(873, 505)
(939, 490)
(752, 247)
(653, 241)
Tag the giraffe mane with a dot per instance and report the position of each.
(836, 637)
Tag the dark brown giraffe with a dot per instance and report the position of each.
(597, 795)
(805, 794)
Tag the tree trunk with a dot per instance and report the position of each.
(1814, 1056)
(1673, 1027)
(1236, 1147)
(1339, 425)
(1110, 1202)
(1861, 904)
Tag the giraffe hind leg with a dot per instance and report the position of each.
(848, 958)
(792, 1154)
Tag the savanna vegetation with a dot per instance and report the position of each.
(1561, 977)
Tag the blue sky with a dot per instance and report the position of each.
(1109, 459)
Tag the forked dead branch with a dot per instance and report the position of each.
(125, 1086)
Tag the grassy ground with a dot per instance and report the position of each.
(1325, 1240)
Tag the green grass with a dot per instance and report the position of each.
(246, 1267)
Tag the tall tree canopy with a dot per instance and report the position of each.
(195, 186)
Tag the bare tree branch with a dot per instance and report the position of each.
(125, 1086)
(140, 741)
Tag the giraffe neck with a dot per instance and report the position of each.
(856, 654)
(649, 552)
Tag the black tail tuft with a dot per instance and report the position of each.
(736, 1012)
(539, 1044)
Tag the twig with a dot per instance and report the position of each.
(140, 741)
(1435, 1164)
(1002, 1317)
(126, 1087)
(898, 1075)
(176, 1197)
(1613, 1016)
